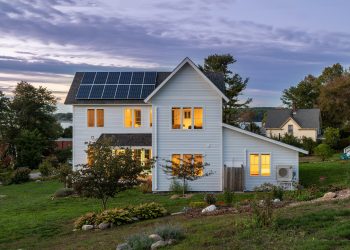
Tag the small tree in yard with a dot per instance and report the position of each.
(324, 151)
(107, 173)
(189, 169)
(332, 136)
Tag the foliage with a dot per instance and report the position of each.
(324, 151)
(6, 177)
(228, 197)
(146, 186)
(197, 204)
(291, 140)
(86, 219)
(46, 168)
(107, 173)
(210, 199)
(177, 188)
(331, 136)
(117, 216)
(311, 193)
(235, 85)
(20, 175)
(185, 170)
(63, 155)
(277, 192)
(140, 242)
(169, 231)
(64, 173)
(64, 192)
(308, 144)
(148, 211)
(68, 132)
(265, 187)
(263, 212)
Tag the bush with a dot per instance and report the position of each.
(265, 187)
(168, 232)
(263, 212)
(65, 171)
(117, 216)
(20, 175)
(291, 140)
(210, 199)
(149, 211)
(140, 242)
(324, 151)
(277, 192)
(197, 204)
(5, 178)
(64, 192)
(308, 144)
(146, 186)
(63, 155)
(331, 136)
(228, 197)
(177, 188)
(45, 168)
(86, 219)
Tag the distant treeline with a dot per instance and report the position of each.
(64, 117)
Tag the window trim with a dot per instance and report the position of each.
(182, 153)
(93, 118)
(260, 153)
(97, 118)
(181, 118)
(133, 118)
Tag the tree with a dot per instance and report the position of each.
(324, 151)
(107, 173)
(332, 136)
(68, 132)
(330, 73)
(5, 116)
(308, 144)
(188, 169)
(291, 140)
(234, 84)
(304, 95)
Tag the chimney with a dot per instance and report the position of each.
(294, 109)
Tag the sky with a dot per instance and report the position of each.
(276, 43)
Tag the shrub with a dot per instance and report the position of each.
(64, 172)
(228, 197)
(149, 211)
(5, 178)
(20, 175)
(263, 212)
(63, 155)
(177, 188)
(168, 232)
(308, 144)
(210, 199)
(331, 136)
(291, 140)
(197, 204)
(64, 192)
(140, 242)
(324, 151)
(146, 186)
(86, 219)
(277, 192)
(117, 216)
(265, 187)
(45, 168)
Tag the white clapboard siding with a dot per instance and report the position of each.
(113, 123)
(188, 89)
(237, 147)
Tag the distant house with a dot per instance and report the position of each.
(299, 123)
(63, 143)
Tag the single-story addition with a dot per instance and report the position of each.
(170, 115)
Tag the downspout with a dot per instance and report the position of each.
(155, 147)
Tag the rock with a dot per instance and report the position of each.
(171, 241)
(155, 237)
(178, 213)
(276, 200)
(87, 227)
(174, 196)
(123, 246)
(329, 195)
(2, 196)
(135, 219)
(210, 208)
(38, 181)
(103, 225)
(158, 244)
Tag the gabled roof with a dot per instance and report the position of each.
(264, 138)
(306, 118)
(220, 89)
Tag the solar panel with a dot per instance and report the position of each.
(150, 78)
(100, 78)
(109, 91)
(122, 92)
(135, 91)
(113, 78)
(146, 90)
(137, 77)
(88, 78)
(96, 92)
(125, 78)
(84, 91)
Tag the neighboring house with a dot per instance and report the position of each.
(299, 123)
(170, 115)
(63, 143)
(347, 150)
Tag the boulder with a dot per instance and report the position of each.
(87, 227)
(103, 225)
(158, 244)
(155, 237)
(135, 219)
(329, 195)
(37, 181)
(210, 208)
(123, 246)
(276, 200)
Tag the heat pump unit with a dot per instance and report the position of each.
(284, 173)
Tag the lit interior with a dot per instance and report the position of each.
(91, 117)
(137, 115)
(198, 118)
(175, 158)
(150, 117)
(176, 118)
(127, 118)
(187, 118)
(254, 164)
(198, 160)
(265, 165)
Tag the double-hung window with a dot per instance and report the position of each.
(186, 160)
(187, 118)
(132, 118)
(99, 119)
(260, 164)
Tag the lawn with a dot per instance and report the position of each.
(31, 219)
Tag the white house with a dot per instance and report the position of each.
(174, 114)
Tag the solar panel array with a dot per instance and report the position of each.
(116, 85)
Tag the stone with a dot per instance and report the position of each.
(158, 244)
(329, 195)
(135, 219)
(174, 196)
(87, 227)
(103, 225)
(155, 237)
(37, 181)
(276, 200)
(210, 208)
(123, 246)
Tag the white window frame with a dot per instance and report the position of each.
(181, 107)
(260, 153)
(132, 117)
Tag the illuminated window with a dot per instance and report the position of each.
(176, 118)
(91, 118)
(148, 154)
(198, 118)
(150, 117)
(137, 154)
(137, 117)
(127, 118)
(100, 117)
(187, 118)
(254, 164)
(175, 159)
(198, 161)
(265, 165)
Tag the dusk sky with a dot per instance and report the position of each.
(276, 43)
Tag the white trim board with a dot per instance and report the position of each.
(186, 60)
(264, 138)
